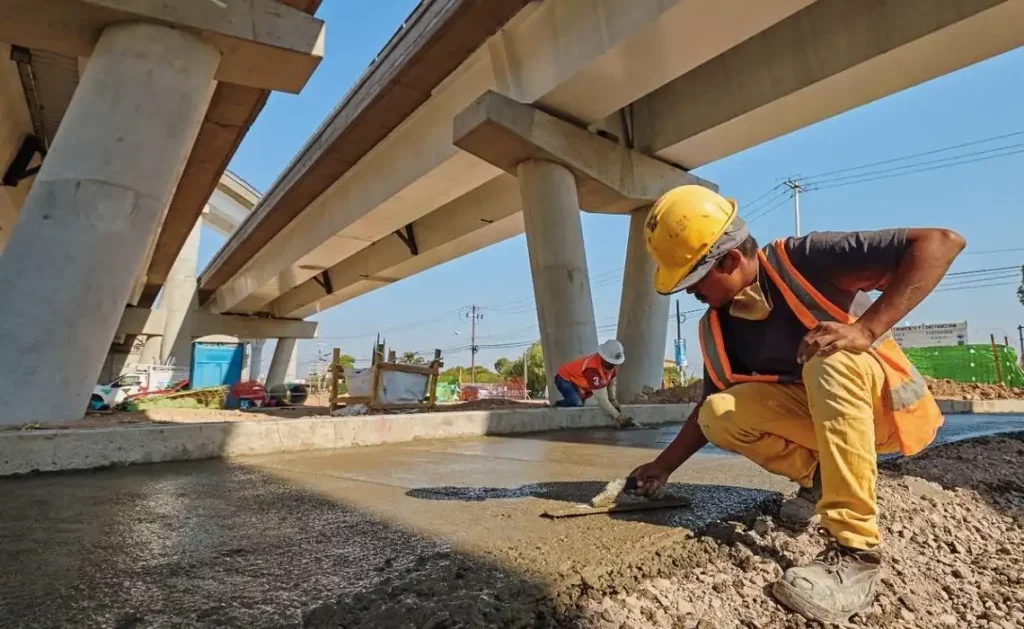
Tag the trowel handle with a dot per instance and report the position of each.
(631, 484)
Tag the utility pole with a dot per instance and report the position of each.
(679, 340)
(795, 186)
(1020, 331)
(526, 372)
(473, 314)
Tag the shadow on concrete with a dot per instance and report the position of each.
(709, 503)
(210, 543)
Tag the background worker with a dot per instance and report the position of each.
(801, 374)
(593, 375)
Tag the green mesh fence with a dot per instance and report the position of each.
(968, 363)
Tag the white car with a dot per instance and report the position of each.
(113, 394)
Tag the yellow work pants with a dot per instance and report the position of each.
(837, 419)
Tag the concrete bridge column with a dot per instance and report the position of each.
(284, 363)
(82, 235)
(561, 285)
(256, 358)
(643, 316)
(180, 300)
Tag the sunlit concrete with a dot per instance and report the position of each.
(558, 264)
(643, 316)
(262, 43)
(82, 234)
(284, 363)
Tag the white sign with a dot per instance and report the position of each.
(931, 334)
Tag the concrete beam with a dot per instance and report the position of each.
(610, 178)
(141, 322)
(566, 54)
(263, 43)
(827, 58)
(486, 215)
(144, 321)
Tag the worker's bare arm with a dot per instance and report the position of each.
(651, 477)
(928, 255)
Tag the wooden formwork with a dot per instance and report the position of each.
(379, 366)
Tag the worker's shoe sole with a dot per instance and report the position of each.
(794, 600)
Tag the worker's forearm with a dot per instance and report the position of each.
(690, 439)
(601, 395)
(928, 257)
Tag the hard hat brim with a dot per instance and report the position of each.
(611, 359)
(666, 281)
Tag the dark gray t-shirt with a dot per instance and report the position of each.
(841, 265)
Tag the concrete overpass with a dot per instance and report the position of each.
(134, 110)
(391, 185)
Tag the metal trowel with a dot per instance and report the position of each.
(604, 502)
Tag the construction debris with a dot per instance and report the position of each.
(684, 394)
(951, 390)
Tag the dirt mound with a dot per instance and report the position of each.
(686, 394)
(951, 390)
(953, 555)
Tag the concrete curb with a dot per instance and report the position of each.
(80, 449)
(995, 407)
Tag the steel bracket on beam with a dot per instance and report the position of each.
(324, 280)
(18, 169)
(409, 238)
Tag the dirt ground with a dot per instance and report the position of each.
(953, 527)
(687, 394)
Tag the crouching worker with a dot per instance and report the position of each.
(593, 375)
(801, 374)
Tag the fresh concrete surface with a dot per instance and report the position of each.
(995, 407)
(24, 452)
(263, 541)
(93, 213)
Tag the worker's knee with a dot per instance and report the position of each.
(841, 366)
(715, 418)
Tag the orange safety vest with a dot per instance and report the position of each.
(573, 372)
(915, 414)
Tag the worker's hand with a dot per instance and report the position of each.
(651, 479)
(831, 337)
(617, 406)
(625, 421)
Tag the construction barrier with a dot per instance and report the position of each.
(986, 363)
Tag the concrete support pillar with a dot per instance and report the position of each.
(561, 286)
(82, 235)
(256, 359)
(643, 317)
(179, 299)
(281, 363)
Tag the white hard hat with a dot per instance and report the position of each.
(611, 351)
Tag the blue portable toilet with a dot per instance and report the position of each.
(216, 364)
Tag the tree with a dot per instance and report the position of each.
(483, 375)
(412, 358)
(671, 376)
(501, 366)
(347, 362)
(1020, 289)
(537, 380)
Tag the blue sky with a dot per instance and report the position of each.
(981, 200)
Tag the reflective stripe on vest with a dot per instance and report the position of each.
(905, 384)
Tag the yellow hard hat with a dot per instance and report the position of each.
(684, 233)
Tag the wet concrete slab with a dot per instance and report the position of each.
(274, 541)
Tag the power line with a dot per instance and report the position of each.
(914, 155)
(992, 251)
(914, 172)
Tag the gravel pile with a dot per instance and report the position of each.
(951, 390)
(690, 393)
(954, 555)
